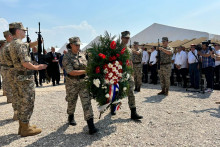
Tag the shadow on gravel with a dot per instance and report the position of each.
(59, 138)
(198, 95)
(154, 99)
(6, 121)
(4, 103)
(7, 139)
(215, 112)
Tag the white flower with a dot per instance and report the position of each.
(111, 81)
(106, 81)
(125, 88)
(110, 75)
(128, 76)
(107, 95)
(119, 67)
(114, 69)
(114, 77)
(120, 75)
(110, 65)
(96, 82)
(106, 71)
(116, 63)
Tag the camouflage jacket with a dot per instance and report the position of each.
(137, 58)
(164, 58)
(73, 61)
(7, 57)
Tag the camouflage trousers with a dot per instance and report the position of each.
(137, 74)
(26, 97)
(13, 87)
(131, 97)
(164, 74)
(75, 88)
(5, 84)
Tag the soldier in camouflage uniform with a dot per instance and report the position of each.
(23, 78)
(137, 66)
(166, 53)
(12, 91)
(74, 62)
(125, 36)
(2, 44)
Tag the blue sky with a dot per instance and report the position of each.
(89, 18)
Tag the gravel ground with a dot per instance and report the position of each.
(180, 119)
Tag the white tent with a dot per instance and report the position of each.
(62, 48)
(96, 40)
(157, 31)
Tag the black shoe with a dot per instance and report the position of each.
(53, 83)
(71, 120)
(92, 128)
(113, 109)
(135, 89)
(134, 114)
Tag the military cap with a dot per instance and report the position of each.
(75, 40)
(136, 43)
(6, 33)
(164, 39)
(17, 25)
(125, 34)
(2, 42)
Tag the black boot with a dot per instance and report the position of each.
(113, 109)
(138, 88)
(71, 120)
(134, 114)
(92, 128)
(135, 89)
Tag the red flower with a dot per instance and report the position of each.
(113, 45)
(110, 59)
(102, 55)
(127, 63)
(105, 66)
(120, 70)
(118, 55)
(113, 58)
(120, 62)
(123, 51)
(97, 70)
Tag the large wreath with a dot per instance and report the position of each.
(108, 71)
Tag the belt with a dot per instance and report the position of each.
(165, 63)
(193, 63)
(27, 73)
(136, 62)
(76, 77)
(5, 65)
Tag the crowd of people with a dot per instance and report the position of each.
(187, 66)
(20, 68)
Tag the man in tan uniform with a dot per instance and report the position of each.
(23, 68)
(166, 53)
(137, 66)
(2, 44)
(125, 36)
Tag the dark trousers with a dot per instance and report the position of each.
(178, 78)
(184, 73)
(194, 75)
(35, 77)
(56, 76)
(145, 73)
(217, 72)
(172, 76)
(208, 71)
(42, 76)
(154, 73)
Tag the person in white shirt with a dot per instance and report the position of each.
(173, 69)
(193, 61)
(217, 63)
(153, 65)
(145, 59)
(181, 64)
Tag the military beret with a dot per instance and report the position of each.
(125, 34)
(6, 33)
(75, 40)
(17, 25)
(164, 39)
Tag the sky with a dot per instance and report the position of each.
(87, 19)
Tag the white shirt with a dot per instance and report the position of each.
(153, 59)
(217, 52)
(181, 59)
(145, 57)
(192, 58)
(173, 58)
